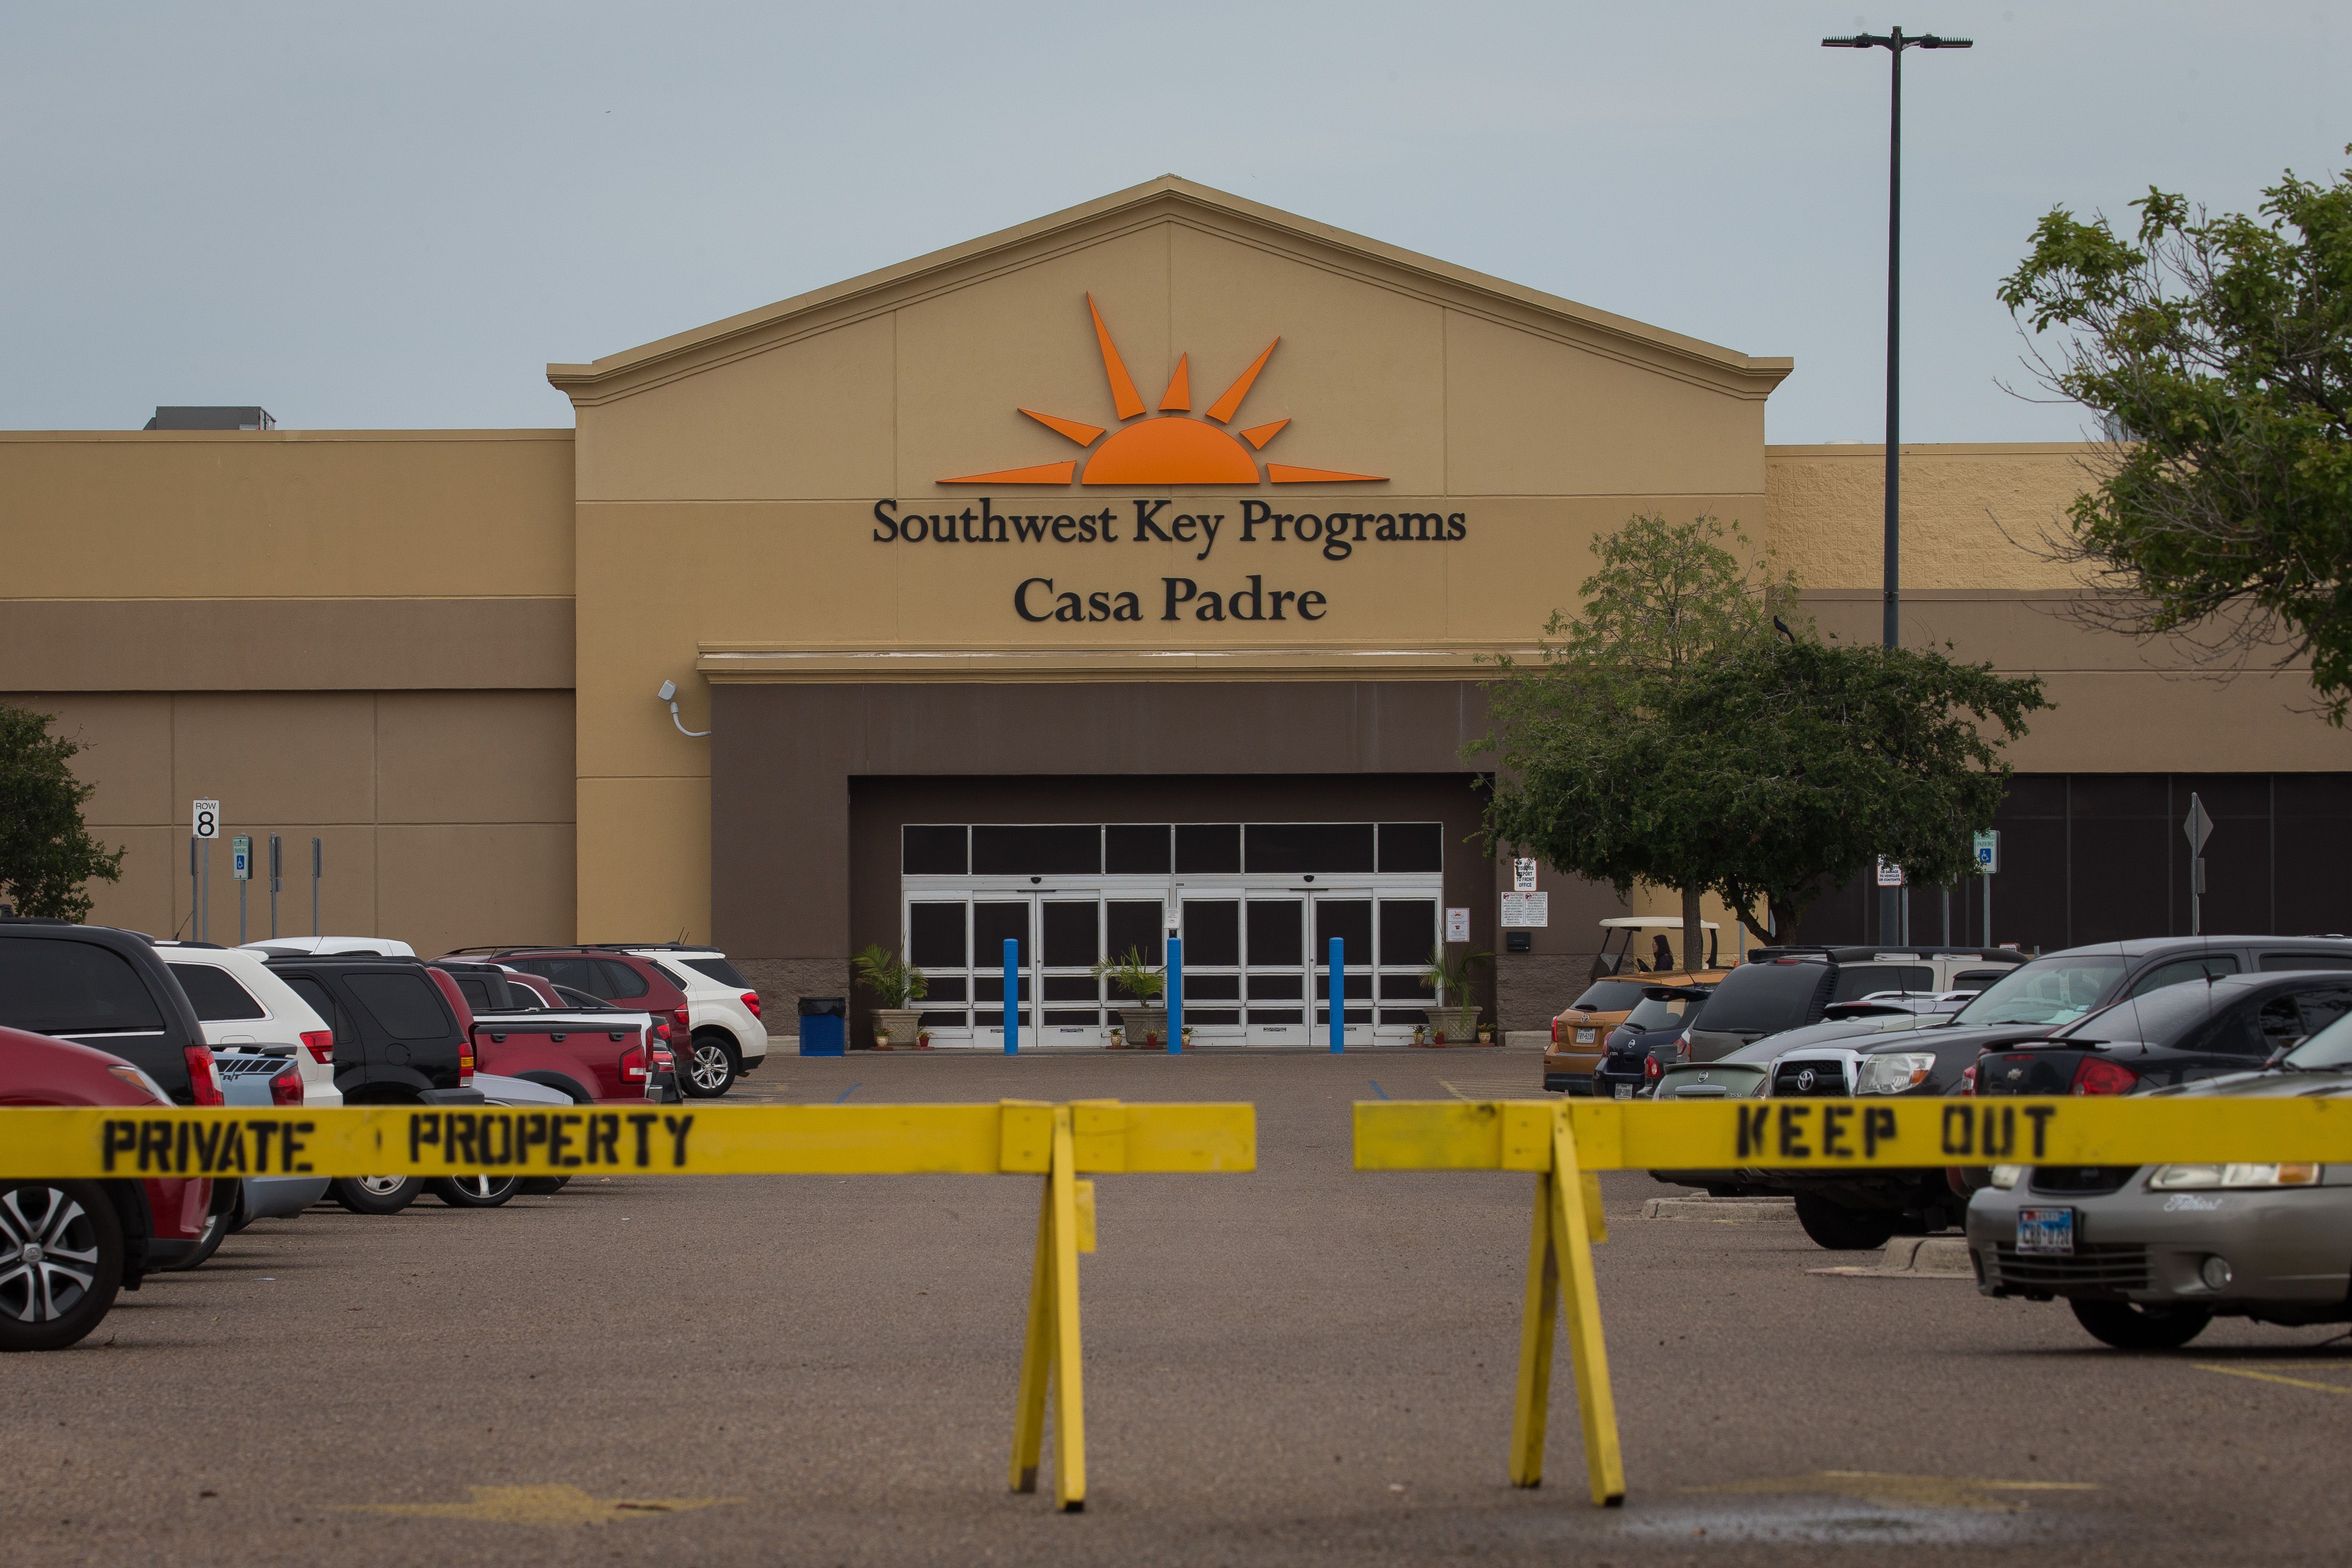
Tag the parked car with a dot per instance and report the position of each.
(1580, 1032)
(109, 990)
(2147, 1256)
(398, 1041)
(724, 1027)
(67, 1247)
(1636, 1052)
(1781, 988)
(585, 1053)
(2060, 988)
(331, 946)
(248, 1009)
(2183, 1031)
(616, 977)
(267, 1079)
(2163, 1039)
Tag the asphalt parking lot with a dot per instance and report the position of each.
(1300, 1365)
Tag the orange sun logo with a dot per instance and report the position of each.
(1175, 449)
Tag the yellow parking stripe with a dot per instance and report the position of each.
(2274, 1377)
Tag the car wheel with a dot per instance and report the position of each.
(710, 1067)
(541, 1186)
(2129, 1326)
(1841, 1229)
(60, 1262)
(376, 1194)
(474, 1192)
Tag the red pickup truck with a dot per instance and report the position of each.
(521, 1031)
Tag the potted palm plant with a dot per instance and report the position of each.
(1451, 973)
(894, 983)
(1145, 1018)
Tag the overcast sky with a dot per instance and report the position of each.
(395, 216)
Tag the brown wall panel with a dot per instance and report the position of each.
(441, 885)
(286, 645)
(128, 737)
(474, 756)
(278, 756)
(446, 817)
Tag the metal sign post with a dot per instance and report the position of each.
(204, 828)
(1987, 857)
(318, 866)
(2198, 827)
(276, 880)
(240, 868)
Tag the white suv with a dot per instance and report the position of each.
(246, 1008)
(722, 1013)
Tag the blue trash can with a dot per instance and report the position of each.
(825, 1025)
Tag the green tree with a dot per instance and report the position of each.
(1681, 732)
(1793, 764)
(1668, 600)
(46, 854)
(2219, 352)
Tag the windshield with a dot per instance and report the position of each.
(1654, 1013)
(2047, 991)
(1765, 998)
(2330, 1047)
(1608, 996)
(2163, 1017)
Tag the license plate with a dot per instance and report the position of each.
(1584, 1036)
(2046, 1231)
(1624, 1091)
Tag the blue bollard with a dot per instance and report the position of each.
(1175, 995)
(1338, 995)
(1011, 996)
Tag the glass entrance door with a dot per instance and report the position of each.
(958, 944)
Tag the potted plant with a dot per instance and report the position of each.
(1118, 1038)
(893, 982)
(1145, 1018)
(1485, 1034)
(1451, 974)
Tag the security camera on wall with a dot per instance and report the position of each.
(669, 690)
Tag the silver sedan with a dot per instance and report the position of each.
(2147, 1256)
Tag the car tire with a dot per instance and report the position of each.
(710, 1067)
(53, 1299)
(544, 1186)
(218, 1224)
(376, 1194)
(474, 1192)
(2129, 1326)
(1841, 1229)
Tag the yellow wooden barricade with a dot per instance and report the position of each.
(1055, 1141)
(1564, 1143)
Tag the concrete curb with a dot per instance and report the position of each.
(1914, 1257)
(1722, 1211)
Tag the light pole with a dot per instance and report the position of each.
(1890, 630)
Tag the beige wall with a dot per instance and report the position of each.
(364, 636)
(302, 514)
(446, 817)
(743, 461)
(1976, 576)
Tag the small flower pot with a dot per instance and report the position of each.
(1117, 1039)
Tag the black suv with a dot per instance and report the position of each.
(1778, 988)
(103, 988)
(396, 1040)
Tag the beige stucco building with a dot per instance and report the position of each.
(1167, 511)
